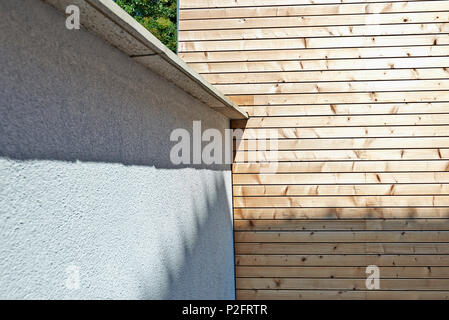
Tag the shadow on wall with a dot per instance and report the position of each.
(68, 97)
(196, 278)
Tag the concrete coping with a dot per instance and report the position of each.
(110, 22)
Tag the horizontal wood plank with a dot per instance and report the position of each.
(339, 132)
(339, 166)
(341, 284)
(335, 87)
(327, 76)
(340, 248)
(343, 144)
(315, 43)
(342, 190)
(299, 32)
(344, 236)
(341, 178)
(335, 98)
(341, 272)
(311, 21)
(342, 121)
(347, 109)
(340, 295)
(317, 65)
(339, 155)
(342, 201)
(340, 213)
(343, 260)
(255, 3)
(315, 54)
(343, 225)
(298, 10)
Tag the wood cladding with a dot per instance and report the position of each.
(356, 94)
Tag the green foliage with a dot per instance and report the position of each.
(158, 16)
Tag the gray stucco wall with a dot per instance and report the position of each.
(85, 176)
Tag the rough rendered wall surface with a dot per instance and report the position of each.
(85, 176)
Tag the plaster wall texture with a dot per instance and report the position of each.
(85, 177)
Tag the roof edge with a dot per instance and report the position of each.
(110, 22)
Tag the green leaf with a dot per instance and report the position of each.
(158, 16)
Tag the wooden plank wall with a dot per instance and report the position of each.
(358, 93)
